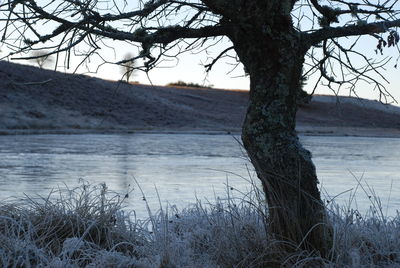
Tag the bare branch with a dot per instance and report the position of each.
(210, 65)
(352, 30)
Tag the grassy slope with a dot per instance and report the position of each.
(38, 100)
(81, 102)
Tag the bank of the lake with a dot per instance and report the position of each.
(86, 227)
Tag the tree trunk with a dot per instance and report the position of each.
(285, 168)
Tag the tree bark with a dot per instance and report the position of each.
(284, 166)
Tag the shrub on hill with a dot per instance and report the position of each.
(181, 83)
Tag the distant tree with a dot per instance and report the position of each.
(279, 42)
(128, 66)
(41, 58)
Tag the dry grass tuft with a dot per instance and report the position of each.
(87, 227)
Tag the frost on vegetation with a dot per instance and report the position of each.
(87, 227)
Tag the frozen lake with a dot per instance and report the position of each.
(185, 166)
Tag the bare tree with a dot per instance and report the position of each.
(279, 42)
(128, 66)
(41, 58)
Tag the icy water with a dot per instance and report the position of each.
(183, 167)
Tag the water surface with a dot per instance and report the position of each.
(185, 166)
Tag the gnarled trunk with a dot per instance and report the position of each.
(284, 166)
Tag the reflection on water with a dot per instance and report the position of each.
(185, 166)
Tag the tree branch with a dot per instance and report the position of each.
(352, 30)
(210, 65)
(329, 13)
(162, 35)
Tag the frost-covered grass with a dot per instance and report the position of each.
(87, 227)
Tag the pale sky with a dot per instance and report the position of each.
(189, 69)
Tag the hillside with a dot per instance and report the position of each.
(33, 100)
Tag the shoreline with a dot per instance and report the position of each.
(301, 130)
